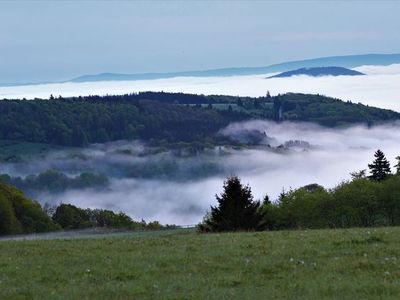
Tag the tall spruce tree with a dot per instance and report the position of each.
(380, 167)
(236, 210)
(397, 166)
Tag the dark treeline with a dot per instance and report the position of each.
(53, 181)
(79, 121)
(362, 202)
(19, 214)
(358, 203)
(166, 118)
(69, 216)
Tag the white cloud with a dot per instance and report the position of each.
(337, 153)
(340, 151)
(381, 88)
(379, 70)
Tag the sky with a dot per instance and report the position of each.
(59, 40)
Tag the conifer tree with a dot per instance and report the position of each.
(358, 174)
(380, 167)
(236, 209)
(397, 166)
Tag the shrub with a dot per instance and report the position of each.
(356, 204)
(301, 208)
(71, 217)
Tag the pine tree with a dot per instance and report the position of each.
(397, 166)
(236, 209)
(358, 174)
(380, 167)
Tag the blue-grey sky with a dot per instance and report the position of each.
(57, 40)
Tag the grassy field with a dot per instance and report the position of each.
(314, 264)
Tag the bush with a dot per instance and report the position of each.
(389, 200)
(357, 203)
(71, 217)
(107, 218)
(301, 208)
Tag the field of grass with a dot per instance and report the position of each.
(313, 264)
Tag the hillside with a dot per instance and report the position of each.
(167, 117)
(311, 264)
(21, 215)
(319, 71)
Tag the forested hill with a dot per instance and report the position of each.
(166, 118)
(319, 71)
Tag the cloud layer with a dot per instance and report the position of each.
(335, 153)
(380, 88)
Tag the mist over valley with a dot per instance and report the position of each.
(178, 186)
(199, 149)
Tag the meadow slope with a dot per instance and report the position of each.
(312, 264)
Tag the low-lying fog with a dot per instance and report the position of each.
(179, 188)
(381, 86)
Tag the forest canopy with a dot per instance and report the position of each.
(19, 214)
(167, 118)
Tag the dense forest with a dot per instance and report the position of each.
(365, 201)
(167, 118)
(54, 181)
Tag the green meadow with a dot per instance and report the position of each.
(310, 264)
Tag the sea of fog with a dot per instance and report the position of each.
(184, 199)
(333, 155)
(381, 86)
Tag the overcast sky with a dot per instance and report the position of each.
(56, 40)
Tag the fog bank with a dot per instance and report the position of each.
(381, 86)
(333, 154)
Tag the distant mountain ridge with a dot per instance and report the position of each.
(348, 61)
(319, 71)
